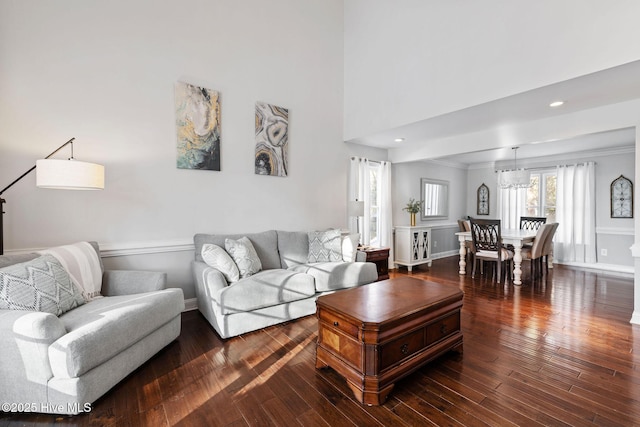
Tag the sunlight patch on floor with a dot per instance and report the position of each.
(268, 373)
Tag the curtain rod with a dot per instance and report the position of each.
(370, 161)
(546, 168)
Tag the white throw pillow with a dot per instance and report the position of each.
(219, 259)
(244, 255)
(325, 246)
(350, 247)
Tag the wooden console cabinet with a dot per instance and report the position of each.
(412, 246)
(376, 334)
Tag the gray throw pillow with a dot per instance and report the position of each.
(244, 255)
(41, 284)
(325, 246)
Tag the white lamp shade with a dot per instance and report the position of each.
(356, 208)
(515, 179)
(69, 175)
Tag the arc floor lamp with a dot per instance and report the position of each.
(68, 174)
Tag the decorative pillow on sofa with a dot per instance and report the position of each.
(41, 284)
(244, 255)
(350, 247)
(219, 259)
(82, 263)
(325, 246)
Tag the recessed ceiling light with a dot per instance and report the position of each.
(556, 103)
(398, 140)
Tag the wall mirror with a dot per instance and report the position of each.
(435, 198)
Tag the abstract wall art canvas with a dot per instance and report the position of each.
(272, 140)
(198, 125)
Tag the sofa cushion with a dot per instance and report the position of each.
(265, 244)
(330, 276)
(218, 258)
(293, 247)
(104, 327)
(41, 284)
(325, 246)
(263, 289)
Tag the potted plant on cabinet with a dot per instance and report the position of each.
(413, 207)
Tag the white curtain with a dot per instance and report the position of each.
(359, 189)
(511, 205)
(575, 239)
(385, 219)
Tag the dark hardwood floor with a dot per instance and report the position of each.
(559, 351)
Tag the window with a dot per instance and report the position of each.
(369, 181)
(541, 196)
(374, 203)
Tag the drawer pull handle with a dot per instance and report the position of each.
(404, 349)
(443, 329)
(335, 323)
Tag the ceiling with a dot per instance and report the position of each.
(591, 143)
(611, 86)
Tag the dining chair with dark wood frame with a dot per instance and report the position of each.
(531, 222)
(486, 235)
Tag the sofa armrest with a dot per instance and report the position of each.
(128, 282)
(208, 280)
(25, 337)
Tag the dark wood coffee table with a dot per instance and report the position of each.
(376, 334)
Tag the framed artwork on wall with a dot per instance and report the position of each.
(621, 198)
(272, 140)
(198, 126)
(483, 200)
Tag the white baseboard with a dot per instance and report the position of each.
(635, 318)
(614, 269)
(446, 254)
(190, 304)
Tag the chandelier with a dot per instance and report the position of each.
(516, 178)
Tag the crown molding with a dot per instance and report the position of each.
(569, 158)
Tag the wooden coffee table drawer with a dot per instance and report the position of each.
(339, 322)
(443, 327)
(406, 346)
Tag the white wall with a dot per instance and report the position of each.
(104, 72)
(477, 176)
(409, 60)
(406, 185)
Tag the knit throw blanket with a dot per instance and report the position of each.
(83, 265)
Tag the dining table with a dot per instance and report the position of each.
(510, 236)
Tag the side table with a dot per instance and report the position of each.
(380, 257)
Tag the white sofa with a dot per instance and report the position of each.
(286, 288)
(62, 364)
